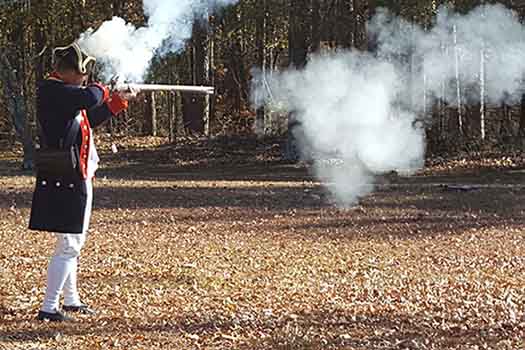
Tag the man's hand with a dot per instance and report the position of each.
(128, 94)
(116, 103)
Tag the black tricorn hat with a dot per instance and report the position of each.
(75, 57)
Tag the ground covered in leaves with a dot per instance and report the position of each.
(215, 247)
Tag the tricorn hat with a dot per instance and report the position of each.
(75, 56)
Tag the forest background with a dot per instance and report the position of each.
(223, 51)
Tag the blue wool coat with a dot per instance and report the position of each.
(59, 202)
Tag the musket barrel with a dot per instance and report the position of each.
(210, 90)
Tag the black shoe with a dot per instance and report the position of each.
(56, 316)
(82, 308)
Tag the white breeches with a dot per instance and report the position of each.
(63, 266)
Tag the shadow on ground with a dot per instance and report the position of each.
(340, 329)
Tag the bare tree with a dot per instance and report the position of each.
(297, 51)
(260, 43)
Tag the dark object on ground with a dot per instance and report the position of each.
(53, 317)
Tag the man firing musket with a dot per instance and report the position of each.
(68, 108)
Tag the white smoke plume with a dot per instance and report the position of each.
(365, 108)
(127, 51)
(490, 35)
(346, 104)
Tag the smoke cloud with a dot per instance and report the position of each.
(365, 107)
(127, 51)
(457, 46)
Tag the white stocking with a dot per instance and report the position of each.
(58, 270)
(71, 296)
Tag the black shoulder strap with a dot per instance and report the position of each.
(72, 133)
(41, 134)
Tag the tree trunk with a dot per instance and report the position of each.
(150, 122)
(506, 132)
(297, 40)
(370, 9)
(298, 52)
(443, 101)
(172, 103)
(316, 26)
(521, 131)
(208, 79)
(359, 18)
(482, 108)
(458, 82)
(425, 99)
(412, 65)
(27, 95)
(17, 107)
(482, 86)
(172, 132)
(260, 42)
(345, 24)
(196, 107)
(178, 121)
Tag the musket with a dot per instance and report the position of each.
(208, 90)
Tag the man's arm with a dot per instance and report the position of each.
(100, 113)
(85, 97)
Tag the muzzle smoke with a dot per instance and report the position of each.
(365, 107)
(127, 51)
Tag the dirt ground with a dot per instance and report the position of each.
(212, 248)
